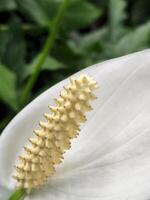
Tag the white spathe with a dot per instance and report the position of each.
(110, 160)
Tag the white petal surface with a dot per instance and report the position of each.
(110, 160)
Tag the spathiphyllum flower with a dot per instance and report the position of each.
(110, 158)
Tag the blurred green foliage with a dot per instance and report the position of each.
(90, 32)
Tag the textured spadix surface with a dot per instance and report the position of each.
(110, 160)
(52, 139)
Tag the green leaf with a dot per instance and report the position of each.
(80, 14)
(8, 87)
(7, 5)
(38, 10)
(66, 52)
(5, 37)
(92, 39)
(50, 64)
(89, 46)
(135, 40)
(13, 48)
(117, 15)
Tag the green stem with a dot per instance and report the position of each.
(18, 194)
(46, 49)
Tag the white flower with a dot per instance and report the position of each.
(110, 160)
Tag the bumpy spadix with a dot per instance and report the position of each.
(49, 143)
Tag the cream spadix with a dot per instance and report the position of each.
(49, 143)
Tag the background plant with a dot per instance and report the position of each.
(89, 32)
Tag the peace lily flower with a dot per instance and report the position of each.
(110, 159)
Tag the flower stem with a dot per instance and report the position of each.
(18, 194)
(44, 52)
